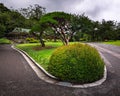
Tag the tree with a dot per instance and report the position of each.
(33, 12)
(3, 19)
(118, 31)
(82, 27)
(10, 19)
(2, 30)
(3, 8)
(75, 27)
(60, 23)
(38, 31)
(107, 30)
(15, 20)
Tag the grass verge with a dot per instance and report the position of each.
(117, 43)
(39, 54)
(4, 41)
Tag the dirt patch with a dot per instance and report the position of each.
(37, 48)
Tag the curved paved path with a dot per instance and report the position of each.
(18, 79)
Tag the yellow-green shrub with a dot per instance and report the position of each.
(32, 40)
(78, 63)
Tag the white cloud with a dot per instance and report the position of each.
(112, 12)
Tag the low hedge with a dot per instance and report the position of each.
(77, 63)
(32, 40)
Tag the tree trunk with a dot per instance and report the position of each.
(42, 42)
(55, 37)
(66, 41)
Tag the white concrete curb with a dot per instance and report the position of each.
(56, 81)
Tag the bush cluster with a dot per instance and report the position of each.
(77, 63)
(32, 40)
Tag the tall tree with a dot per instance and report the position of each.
(38, 30)
(33, 12)
(81, 25)
(107, 30)
(60, 23)
(15, 20)
(2, 30)
(118, 31)
(3, 8)
(3, 19)
(10, 19)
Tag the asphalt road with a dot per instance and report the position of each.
(17, 78)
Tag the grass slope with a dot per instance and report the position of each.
(4, 41)
(117, 43)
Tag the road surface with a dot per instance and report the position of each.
(17, 78)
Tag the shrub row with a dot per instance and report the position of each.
(32, 40)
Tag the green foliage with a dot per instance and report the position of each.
(78, 63)
(82, 25)
(107, 31)
(3, 8)
(37, 28)
(32, 40)
(59, 22)
(2, 29)
(10, 19)
(54, 19)
(46, 20)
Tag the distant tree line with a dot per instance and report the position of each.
(66, 27)
(10, 19)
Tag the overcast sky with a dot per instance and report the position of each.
(94, 9)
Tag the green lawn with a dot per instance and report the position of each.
(4, 41)
(42, 55)
(113, 42)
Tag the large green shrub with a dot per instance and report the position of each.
(78, 63)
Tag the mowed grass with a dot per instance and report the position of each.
(117, 43)
(4, 41)
(41, 56)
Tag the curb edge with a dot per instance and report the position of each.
(96, 83)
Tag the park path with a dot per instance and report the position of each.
(17, 78)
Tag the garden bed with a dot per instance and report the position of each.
(43, 55)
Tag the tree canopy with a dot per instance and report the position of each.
(33, 12)
(10, 19)
(60, 23)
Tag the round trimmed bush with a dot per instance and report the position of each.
(77, 63)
